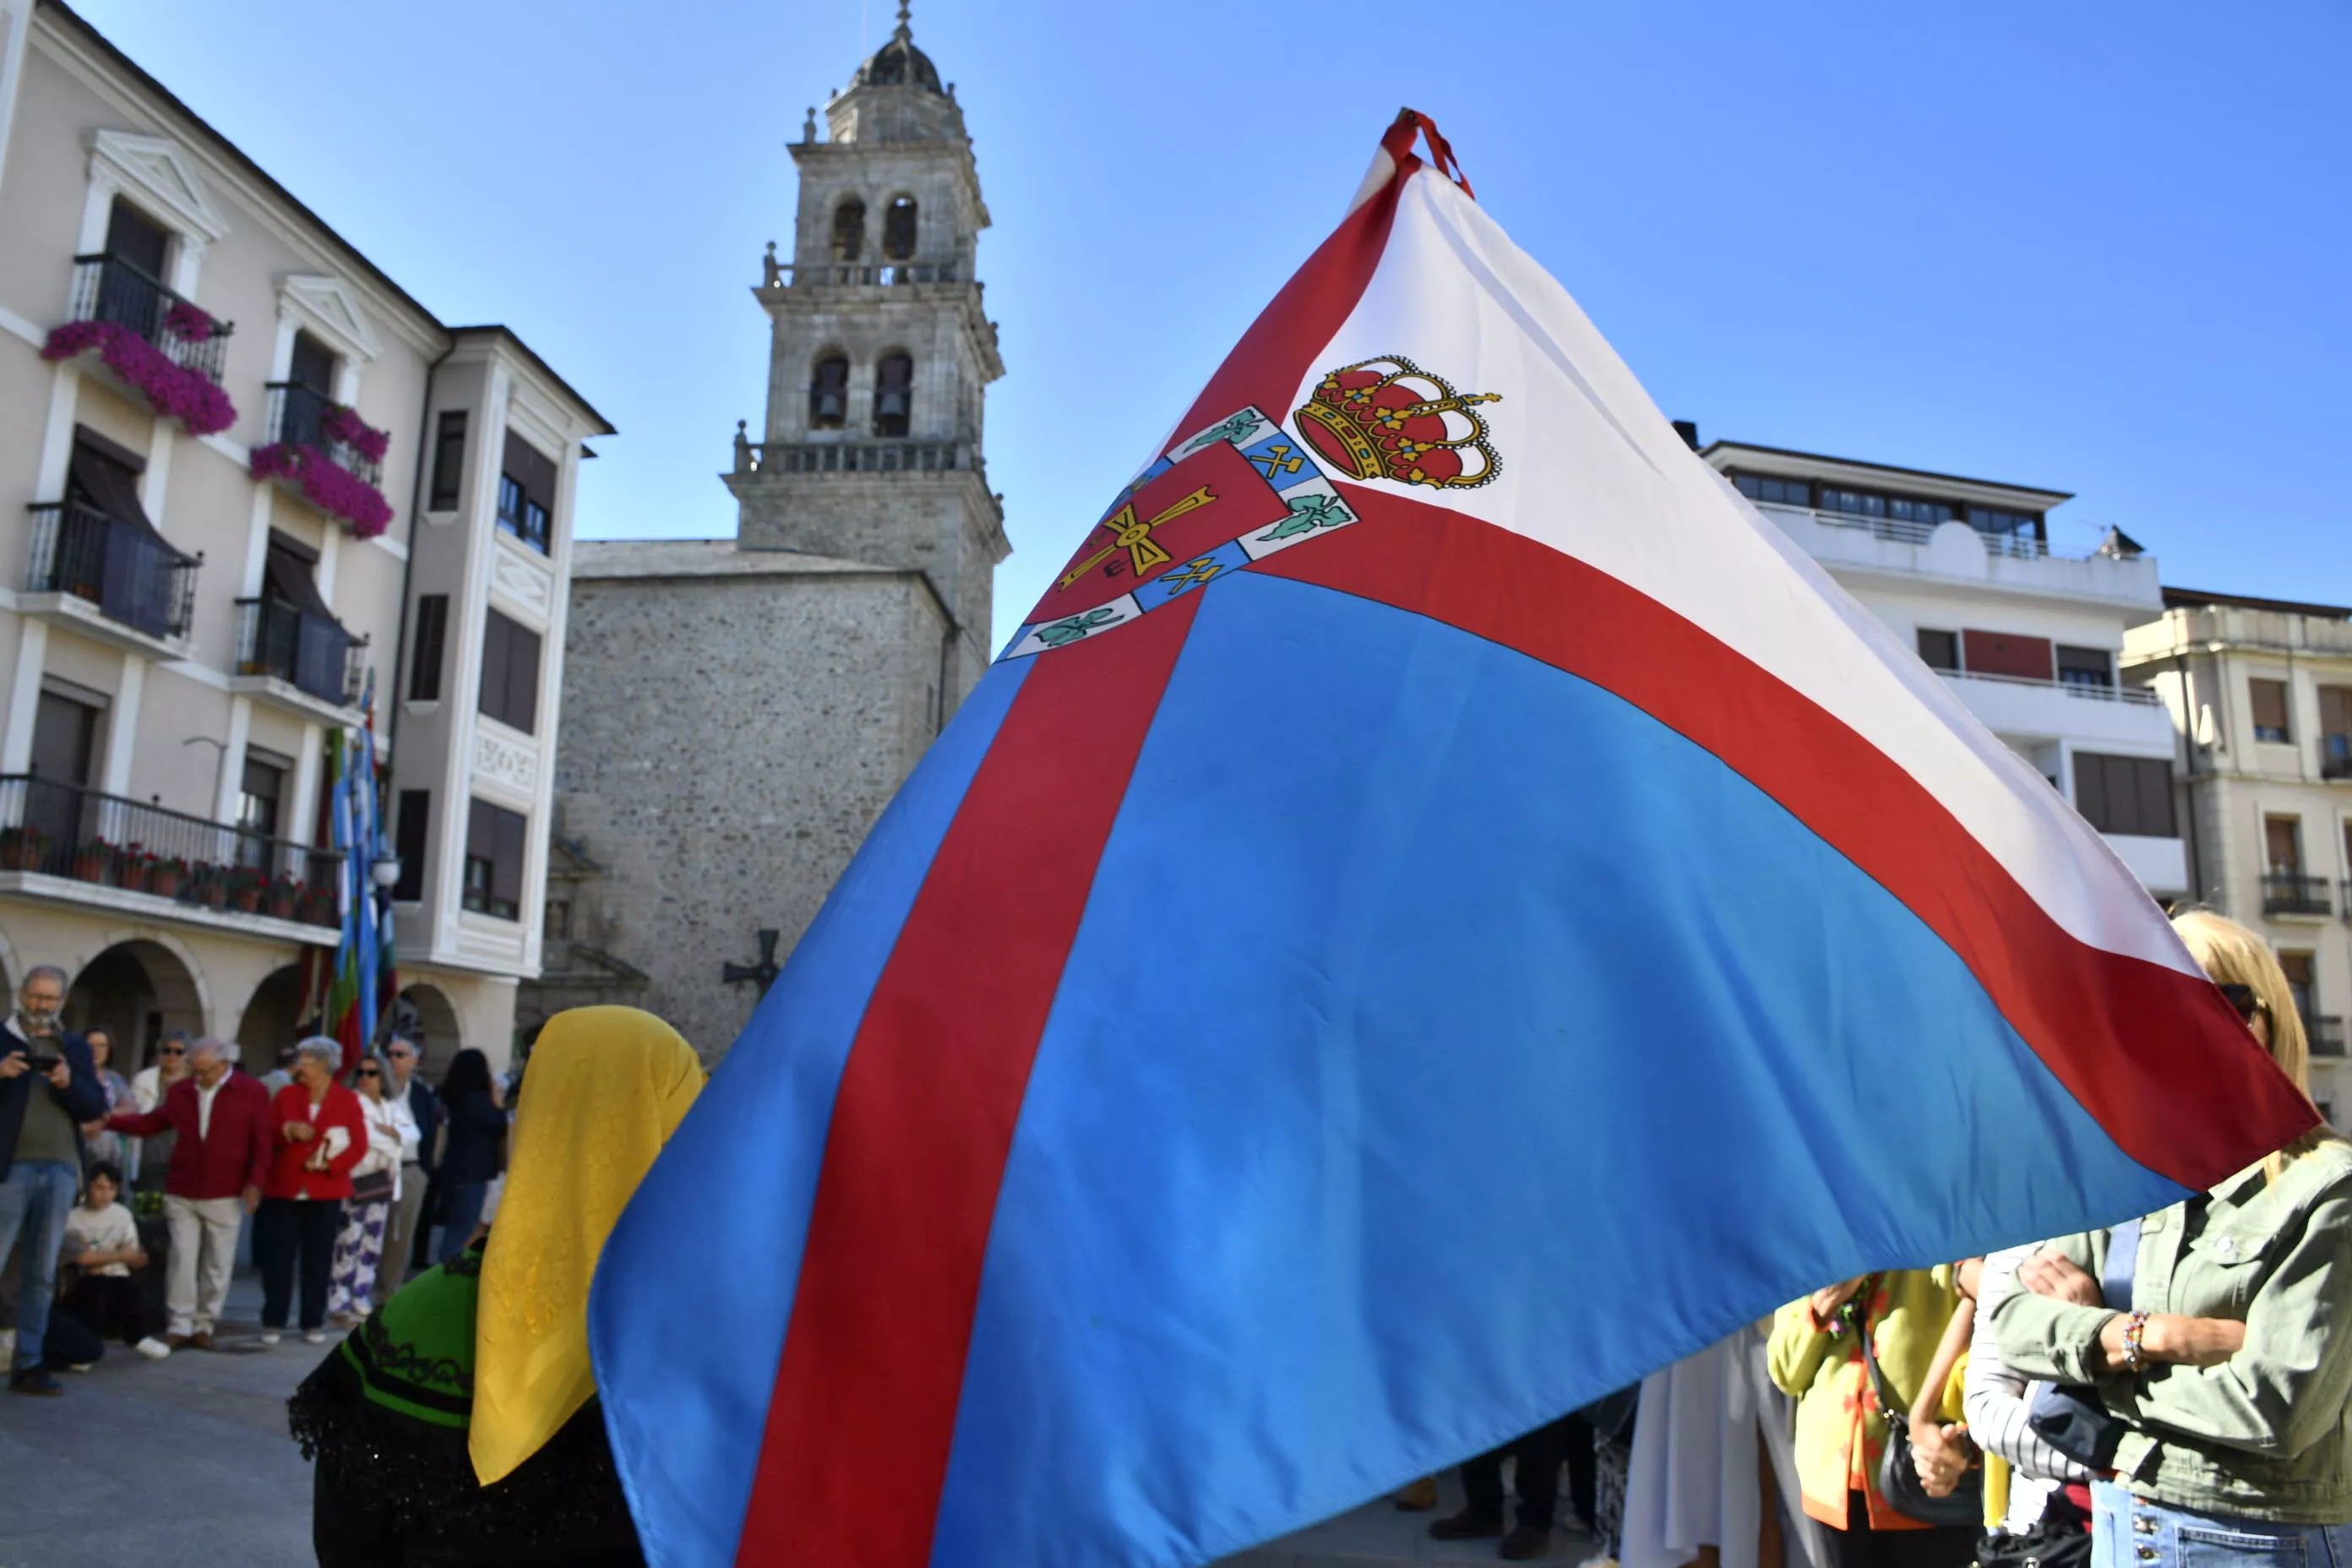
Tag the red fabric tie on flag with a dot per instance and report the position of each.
(1398, 143)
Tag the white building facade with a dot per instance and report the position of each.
(2031, 641)
(245, 481)
(2259, 692)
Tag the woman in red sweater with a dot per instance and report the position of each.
(321, 1133)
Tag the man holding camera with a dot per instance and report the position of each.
(48, 1090)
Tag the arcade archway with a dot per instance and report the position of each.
(272, 1019)
(427, 1016)
(138, 992)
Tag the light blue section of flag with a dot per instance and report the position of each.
(686, 1319)
(1447, 1043)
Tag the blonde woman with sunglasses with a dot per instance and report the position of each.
(2230, 1368)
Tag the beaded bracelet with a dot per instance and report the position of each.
(2135, 1342)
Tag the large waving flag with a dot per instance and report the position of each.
(1441, 911)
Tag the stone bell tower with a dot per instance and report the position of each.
(881, 354)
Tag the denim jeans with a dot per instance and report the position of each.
(2129, 1531)
(34, 1203)
(461, 1210)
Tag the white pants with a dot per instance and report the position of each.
(204, 1248)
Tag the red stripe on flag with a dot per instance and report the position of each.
(864, 1407)
(855, 1453)
(2155, 1055)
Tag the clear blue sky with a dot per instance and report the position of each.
(2097, 247)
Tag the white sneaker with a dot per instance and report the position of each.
(269, 1337)
(80, 1365)
(152, 1348)
(313, 1337)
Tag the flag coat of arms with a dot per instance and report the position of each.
(1440, 911)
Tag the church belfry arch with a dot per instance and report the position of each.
(829, 391)
(894, 393)
(849, 229)
(900, 233)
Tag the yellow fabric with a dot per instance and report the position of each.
(1996, 1490)
(606, 1088)
(1953, 1406)
(1841, 1433)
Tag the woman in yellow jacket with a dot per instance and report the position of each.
(1816, 1358)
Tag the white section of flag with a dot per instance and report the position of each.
(1592, 469)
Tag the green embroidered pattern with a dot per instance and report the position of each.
(1307, 514)
(1063, 632)
(1232, 429)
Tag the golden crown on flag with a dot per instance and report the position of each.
(1387, 418)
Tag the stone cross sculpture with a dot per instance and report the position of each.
(763, 972)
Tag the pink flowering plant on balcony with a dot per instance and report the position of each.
(184, 321)
(344, 425)
(325, 484)
(172, 389)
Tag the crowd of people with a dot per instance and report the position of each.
(2170, 1392)
(332, 1172)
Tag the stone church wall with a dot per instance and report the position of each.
(720, 765)
(921, 521)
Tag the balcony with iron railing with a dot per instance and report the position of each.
(124, 853)
(111, 576)
(110, 289)
(153, 343)
(2326, 1035)
(325, 453)
(315, 657)
(2292, 894)
(310, 418)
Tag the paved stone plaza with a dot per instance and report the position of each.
(187, 1462)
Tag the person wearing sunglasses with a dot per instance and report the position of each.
(149, 1158)
(376, 1190)
(2218, 1342)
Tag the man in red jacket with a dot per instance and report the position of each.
(218, 1164)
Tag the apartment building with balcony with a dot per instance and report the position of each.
(2030, 638)
(246, 484)
(2258, 693)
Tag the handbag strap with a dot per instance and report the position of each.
(1894, 1410)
